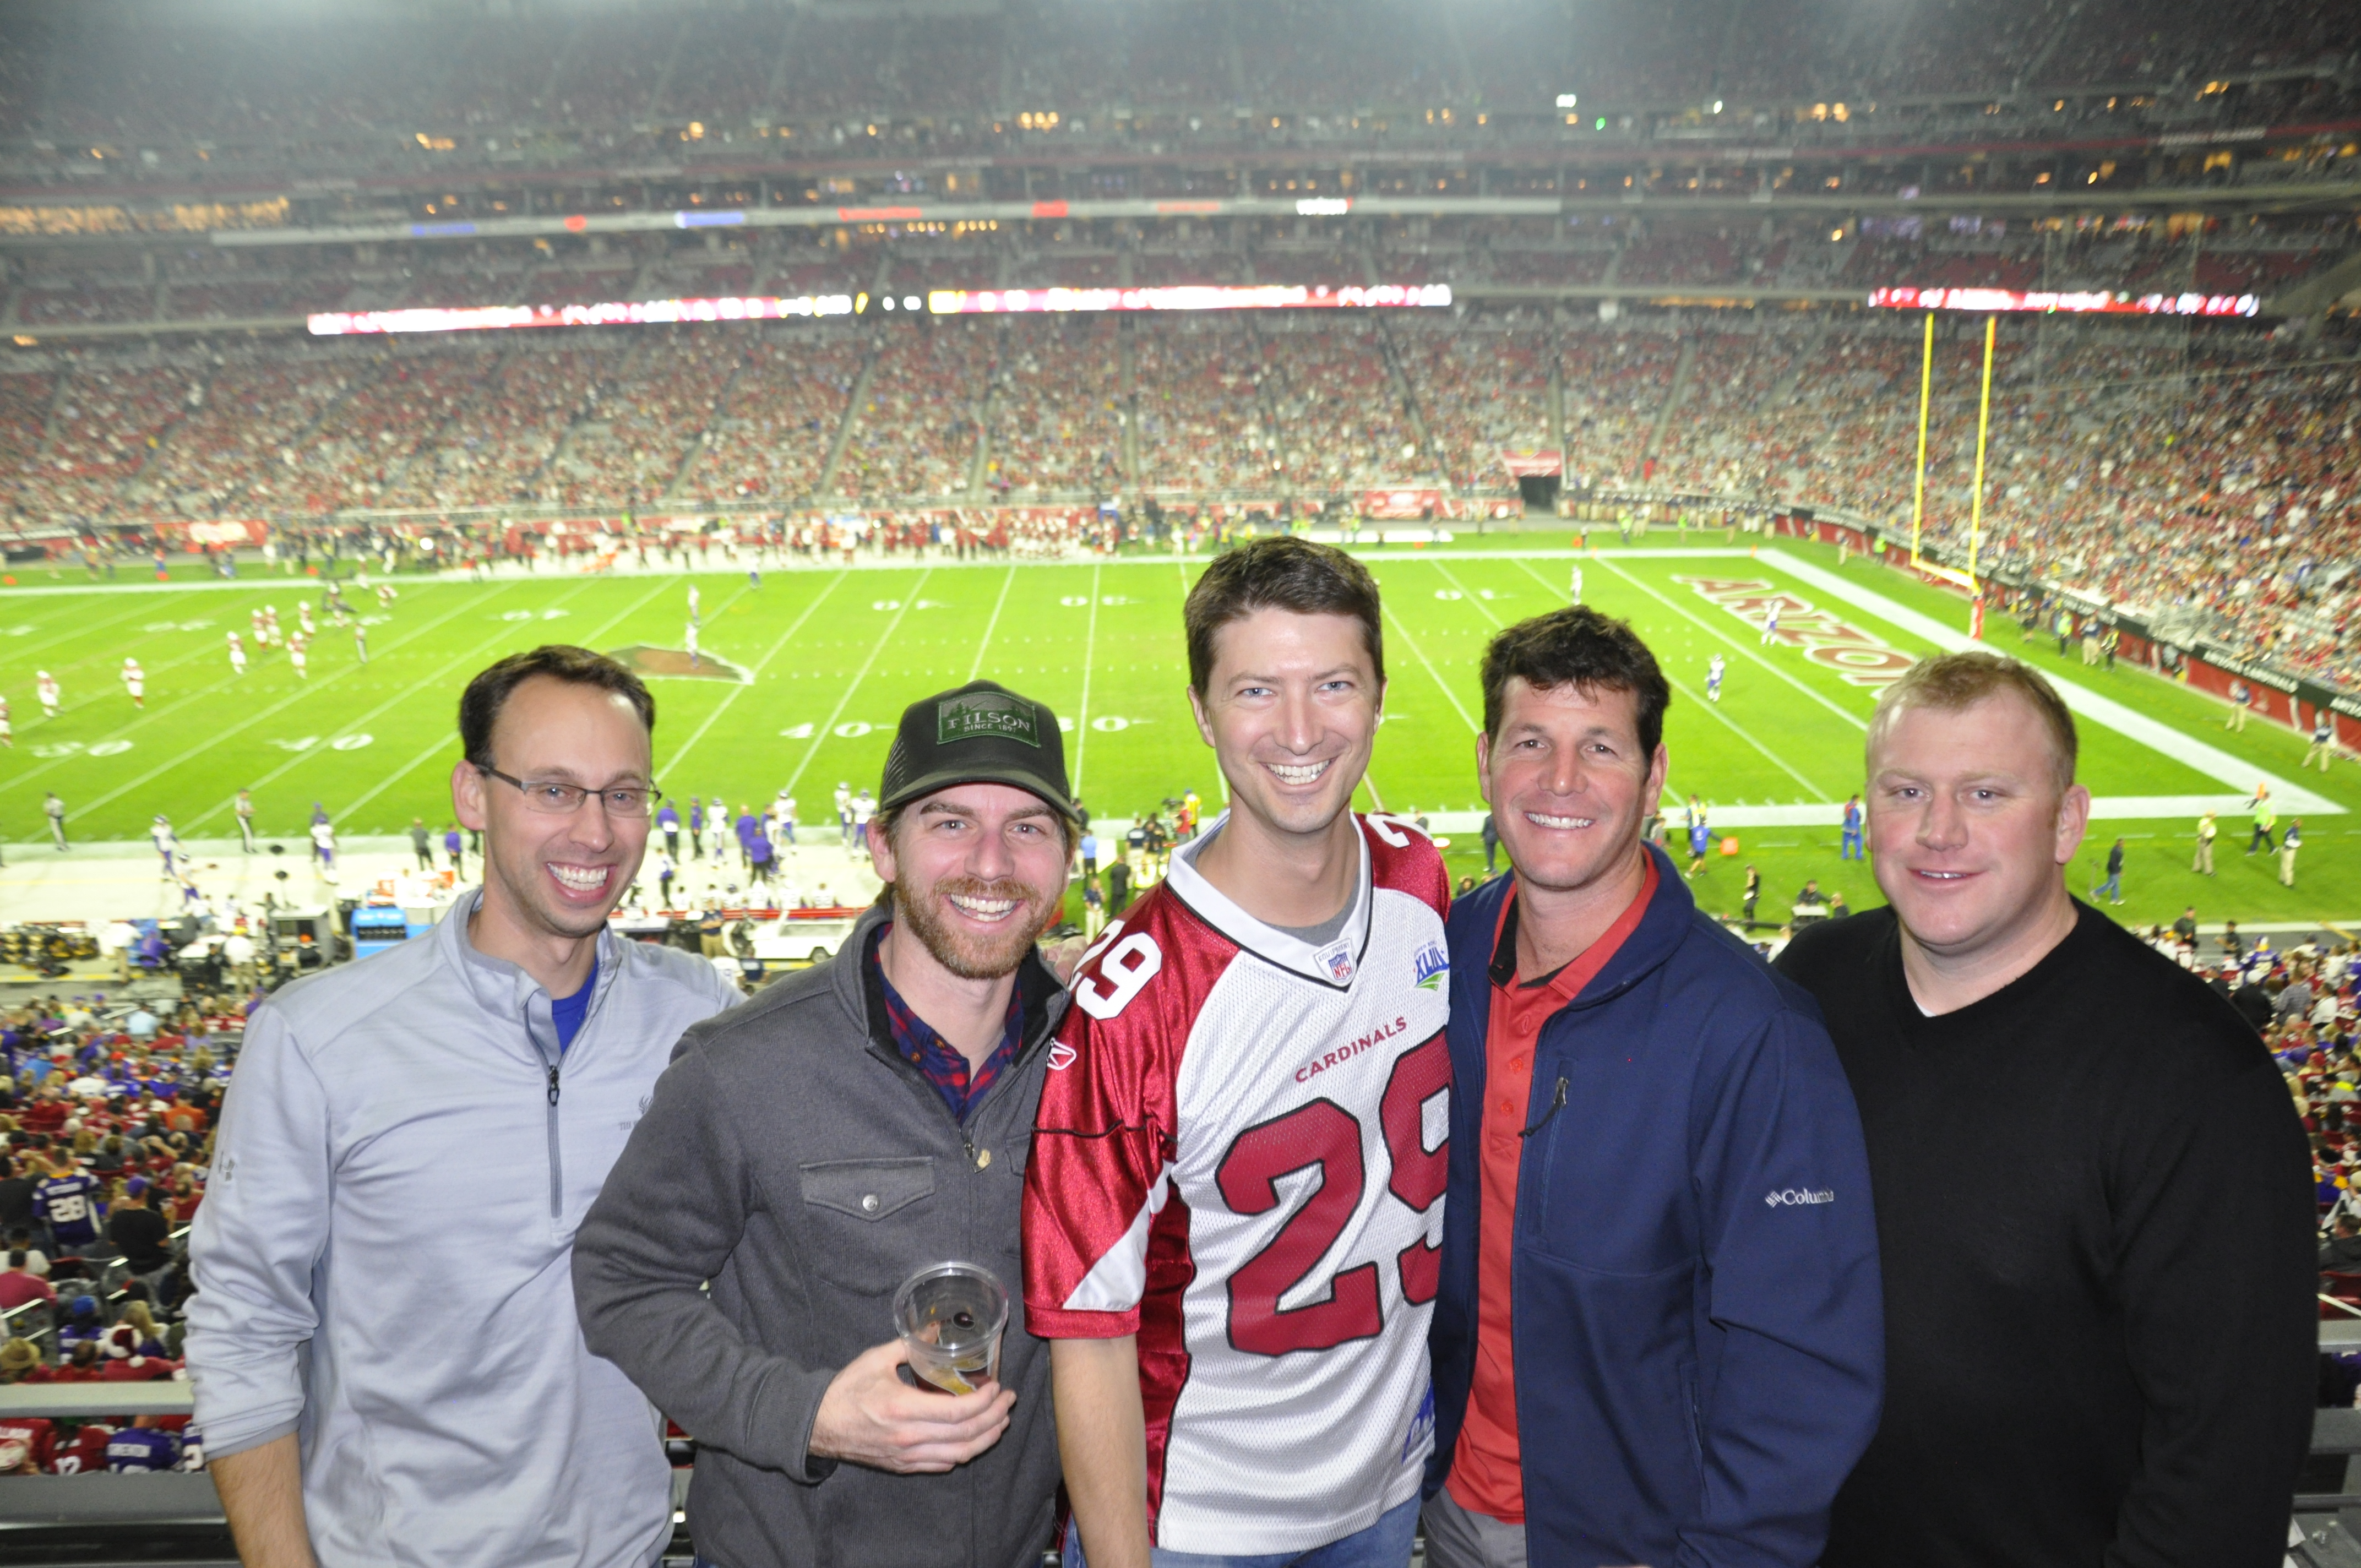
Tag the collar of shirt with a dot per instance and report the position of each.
(1568, 979)
(960, 1086)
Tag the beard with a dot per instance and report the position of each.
(974, 955)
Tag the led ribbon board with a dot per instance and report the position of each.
(941, 301)
(1205, 297)
(639, 313)
(2095, 301)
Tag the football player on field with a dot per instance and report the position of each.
(1233, 1209)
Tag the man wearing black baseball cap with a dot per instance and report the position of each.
(853, 1124)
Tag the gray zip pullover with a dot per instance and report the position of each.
(383, 1259)
(797, 1162)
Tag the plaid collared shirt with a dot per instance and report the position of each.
(960, 1086)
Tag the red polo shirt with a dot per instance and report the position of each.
(1487, 1473)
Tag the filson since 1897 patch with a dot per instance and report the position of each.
(972, 716)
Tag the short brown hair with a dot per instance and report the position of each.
(480, 704)
(1578, 646)
(886, 821)
(1279, 573)
(1955, 682)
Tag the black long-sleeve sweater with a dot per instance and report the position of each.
(2095, 1216)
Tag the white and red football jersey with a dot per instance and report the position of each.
(1240, 1159)
(29, 1438)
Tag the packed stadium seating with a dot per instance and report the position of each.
(2189, 467)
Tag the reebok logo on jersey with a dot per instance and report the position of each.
(1342, 1054)
(1061, 1057)
(1430, 969)
(1795, 1198)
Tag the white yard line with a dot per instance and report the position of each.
(1448, 696)
(1738, 729)
(991, 625)
(828, 728)
(1467, 596)
(79, 631)
(724, 706)
(1718, 634)
(1712, 707)
(30, 729)
(308, 689)
(426, 683)
(1089, 647)
(2291, 799)
(442, 743)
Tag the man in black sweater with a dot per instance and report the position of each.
(2094, 1201)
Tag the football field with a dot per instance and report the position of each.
(805, 674)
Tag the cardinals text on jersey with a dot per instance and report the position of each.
(1240, 1159)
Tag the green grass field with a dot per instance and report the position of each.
(835, 654)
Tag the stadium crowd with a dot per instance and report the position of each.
(107, 1126)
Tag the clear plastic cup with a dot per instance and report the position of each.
(951, 1316)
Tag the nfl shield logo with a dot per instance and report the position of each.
(1338, 960)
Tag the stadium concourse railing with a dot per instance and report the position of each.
(177, 1517)
(62, 1519)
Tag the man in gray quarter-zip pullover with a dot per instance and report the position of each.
(855, 1124)
(382, 1340)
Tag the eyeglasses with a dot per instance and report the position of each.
(554, 799)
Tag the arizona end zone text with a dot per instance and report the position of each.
(1860, 658)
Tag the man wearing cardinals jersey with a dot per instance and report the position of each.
(1233, 1208)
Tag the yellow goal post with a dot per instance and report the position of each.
(1918, 562)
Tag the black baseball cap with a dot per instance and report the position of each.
(978, 733)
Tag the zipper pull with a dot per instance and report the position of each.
(553, 1086)
(1556, 1104)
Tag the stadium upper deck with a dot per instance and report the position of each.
(180, 189)
(190, 108)
(179, 169)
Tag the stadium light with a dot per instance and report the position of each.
(1566, 100)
